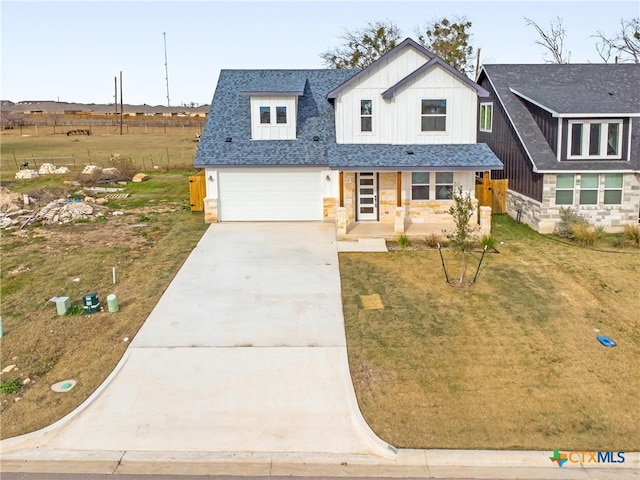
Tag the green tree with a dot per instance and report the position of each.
(364, 46)
(450, 41)
(460, 238)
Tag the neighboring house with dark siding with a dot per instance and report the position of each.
(568, 136)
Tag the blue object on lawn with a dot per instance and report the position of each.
(606, 341)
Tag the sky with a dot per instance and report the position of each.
(72, 51)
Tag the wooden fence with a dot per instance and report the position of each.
(493, 194)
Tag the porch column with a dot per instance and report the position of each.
(341, 183)
(399, 189)
(342, 220)
(486, 189)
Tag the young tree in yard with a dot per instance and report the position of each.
(625, 43)
(364, 46)
(461, 211)
(450, 41)
(552, 40)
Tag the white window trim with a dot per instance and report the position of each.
(428, 185)
(566, 189)
(446, 123)
(490, 107)
(605, 189)
(366, 132)
(586, 133)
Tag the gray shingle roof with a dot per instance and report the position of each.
(568, 89)
(229, 116)
(475, 157)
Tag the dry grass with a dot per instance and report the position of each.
(147, 246)
(512, 362)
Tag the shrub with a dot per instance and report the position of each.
(433, 240)
(11, 387)
(586, 234)
(568, 220)
(488, 241)
(631, 233)
(404, 241)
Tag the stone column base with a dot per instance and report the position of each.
(485, 221)
(342, 220)
(398, 225)
(211, 210)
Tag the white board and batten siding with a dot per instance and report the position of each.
(267, 194)
(273, 130)
(397, 120)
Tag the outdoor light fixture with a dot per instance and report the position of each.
(211, 177)
(327, 178)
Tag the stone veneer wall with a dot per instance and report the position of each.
(544, 216)
(329, 205)
(211, 210)
(387, 197)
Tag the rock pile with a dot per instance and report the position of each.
(64, 211)
(50, 168)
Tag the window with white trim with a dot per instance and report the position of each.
(444, 185)
(589, 183)
(420, 186)
(265, 114)
(366, 119)
(564, 188)
(613, 188)
(595, 139)
(281, 114)
(433, 115)
(486, 116)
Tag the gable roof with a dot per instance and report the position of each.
(432, 60)
(567, 90)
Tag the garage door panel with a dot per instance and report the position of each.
(270, 195)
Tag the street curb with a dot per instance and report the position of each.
(408, 463)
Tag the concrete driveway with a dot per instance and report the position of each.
(245, 352)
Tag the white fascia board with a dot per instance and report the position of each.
(538, 104)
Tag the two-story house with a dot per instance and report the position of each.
(384, 144)
(569, 137)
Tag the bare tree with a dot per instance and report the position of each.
(625, 43)
(552, 39)
(363, 46)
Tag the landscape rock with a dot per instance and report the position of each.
(91, 169)
(140, 177)
(26, 381)
(46, 169)
(89, 200)
(26, 174)
(102, 201)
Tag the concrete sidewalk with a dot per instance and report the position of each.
(242, 369)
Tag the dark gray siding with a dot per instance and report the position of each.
(504, 142)
(546, 123)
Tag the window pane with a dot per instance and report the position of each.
(365, 124)
(576, 139)
(434, 107)
(564, 180)
(444, 192)
(366, 181)
(613, 197)
(483, 109)
(612, 142)
(420, 177)
(489, 116)
(281, 114)
(588, 197)
(366, 191)
(444, 177)
(589, 180)
(594, 139)
(366, 209)
(265, 114)
(420, 192)
(564, 197)
(613, 180)
(366, 201)
(365, 107)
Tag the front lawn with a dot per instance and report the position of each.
(510, 363)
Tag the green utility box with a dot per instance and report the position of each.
(90, 302)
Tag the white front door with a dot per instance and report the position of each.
(367, 196)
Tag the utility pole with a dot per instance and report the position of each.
(121, 103)
(166, 66)
(115, 95)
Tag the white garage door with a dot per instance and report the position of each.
(270, 195)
